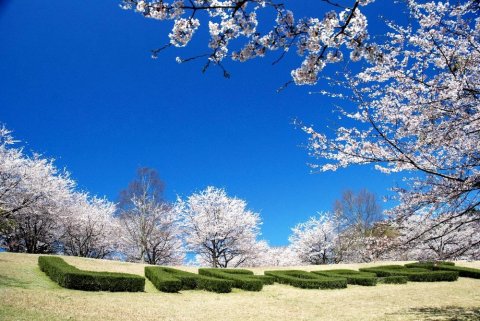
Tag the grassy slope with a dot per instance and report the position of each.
(28, 294)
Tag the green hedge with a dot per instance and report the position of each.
(267, 280)
(242, 279)
(383, 271)
(233, 271)
(352, 276)
(307, 280)
(173, 280)
(428, 264)
(162, 280)
(394, 280)
(462, 271)
(447, 266)
(413, 274)
(70, 277)
(434, 276)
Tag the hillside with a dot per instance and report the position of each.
(26, 293)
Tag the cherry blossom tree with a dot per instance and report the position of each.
(276, 256)
(380, 243)
(452, 244)
(316, 240)
(329, 238)
(417, 111)
(261, 254)
(10, 169)
(89, 228)
(150, 226)
(151, 233)
(256, 255)
(41, 212)
(218, 228)
(33, 194)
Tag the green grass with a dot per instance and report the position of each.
(26, 293)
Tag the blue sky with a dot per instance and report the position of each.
(78, 85)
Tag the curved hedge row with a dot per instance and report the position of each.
(428, 264)
(394, 280)
(307, 280)
(168, 279)
(352, 276)
(242, 279)
(447, 266)
(173, 280)
(163, 280)
(462, 271)
(413, 274)
(70, 277)
(392, 270)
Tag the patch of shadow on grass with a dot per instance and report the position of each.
(6, 281)
(449, 313)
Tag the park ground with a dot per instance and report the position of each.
(26, 293)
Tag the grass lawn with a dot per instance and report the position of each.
(26, 293)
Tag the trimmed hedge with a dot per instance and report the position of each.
(173, 280)
(462, 271)
(385, 270)
(447, 266)
(307, 280)
(162, 280)
(413, 274)
(394, 280)
(233, 271)
(70, 277)
(242, 279)
(267, 280)
(428, 264)
(434, 276)
(352, 276)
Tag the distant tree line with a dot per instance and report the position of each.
(42, 211)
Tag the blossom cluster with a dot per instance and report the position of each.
(417, 111)
(318, 41)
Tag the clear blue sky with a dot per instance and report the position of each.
(78, 85)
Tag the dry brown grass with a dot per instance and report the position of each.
(27, 294)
